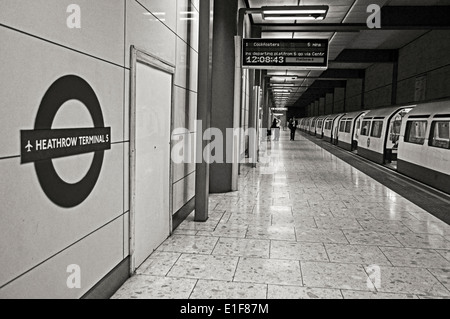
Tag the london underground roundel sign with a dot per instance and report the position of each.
(41, 145)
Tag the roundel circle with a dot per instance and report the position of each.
(64, 89)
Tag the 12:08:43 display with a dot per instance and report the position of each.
(267, 59)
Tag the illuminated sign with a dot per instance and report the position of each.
(303, 54)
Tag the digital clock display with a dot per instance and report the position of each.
(265, 59)
(301, 54)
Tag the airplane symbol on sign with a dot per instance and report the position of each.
(29, 147)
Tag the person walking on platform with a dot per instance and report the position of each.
(293, 127)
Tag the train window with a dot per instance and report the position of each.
(415, 132)
(319, 124)
(377, 128)
(328, 125)
(440, 135)
(365, 128)
(342, 126)
(348, 127)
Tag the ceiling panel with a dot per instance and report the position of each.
(337, 65)
(277, 35)
(340, 11)
(419, 3)
(313, 35)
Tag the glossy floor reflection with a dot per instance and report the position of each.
(303, 225)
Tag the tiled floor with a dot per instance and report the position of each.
(305, 225)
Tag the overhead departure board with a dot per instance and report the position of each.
(303, 54)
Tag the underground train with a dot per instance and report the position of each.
(412, 139)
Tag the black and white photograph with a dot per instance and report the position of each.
(225, 158)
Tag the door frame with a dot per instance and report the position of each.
(141, 56)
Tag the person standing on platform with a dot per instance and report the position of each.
(293, 127)
(276, 128)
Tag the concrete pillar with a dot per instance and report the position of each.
(203, 109)
(223, 83)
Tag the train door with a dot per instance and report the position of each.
(364, 137)
(393, 136)
(150, 120)
(356, 132)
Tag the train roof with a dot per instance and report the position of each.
(333, 116)
(431, 109)
(355, 114)
(385, 112)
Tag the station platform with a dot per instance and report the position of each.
(305, 225)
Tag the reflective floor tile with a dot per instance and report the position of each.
(334, 275)
(209, 289)
(384, 214)
(350, 294)
(361, 205)
(185, 232)
(417, 281)
(337, 223)
(204, 267)
(236, 209)
(271, 232)
(413, 257)
(276, 209)
(351, 213)
(428, 227)
(282, 219)
(293, 292)
(443, 275)
(287, 202)
(334, 196)
(151, 287)
(226, 230)
(371, 238)
(444, 253)
(250, 219)
(190, 224)
(189, 244)
(269, 271)
(328, 203)
(317, 235)
(365, 255)
(242, 247)
(383, 225)
(313, 212)
(297, 251)
(158, 264)
(414, 240)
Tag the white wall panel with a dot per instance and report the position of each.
(96, 255)
(101, 33)
(185, 109)
(31, 66)
(148, 33)
(39, 239)
(183, 191)
(126, 235)
(33, 228)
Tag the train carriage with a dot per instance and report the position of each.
(311, 126)
(328, 131)
(424, 148)
(349, 129)
(320, 126)
(375, 141)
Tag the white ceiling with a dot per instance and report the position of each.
(341, 11)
